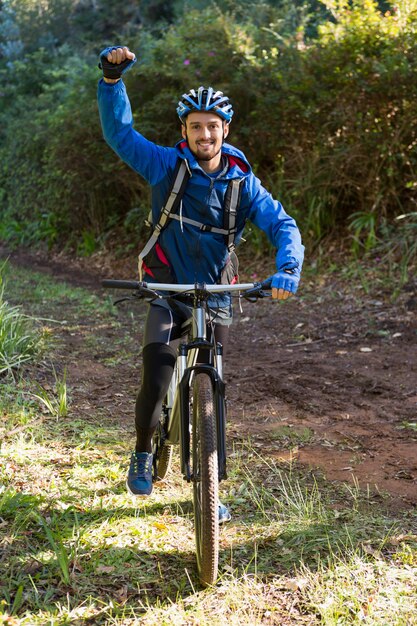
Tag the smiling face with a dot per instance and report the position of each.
(205, 133)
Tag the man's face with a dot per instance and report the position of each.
(205, 133)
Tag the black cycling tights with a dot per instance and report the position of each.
(158, 365)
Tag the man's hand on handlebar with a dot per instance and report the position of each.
(280, 294)
(285, 282)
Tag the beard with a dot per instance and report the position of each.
(204, 156)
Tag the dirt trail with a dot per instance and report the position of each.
(327, 380)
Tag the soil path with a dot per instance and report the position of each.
(327, 380)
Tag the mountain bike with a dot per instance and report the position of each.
(194, 414)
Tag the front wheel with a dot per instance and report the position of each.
(206, 480)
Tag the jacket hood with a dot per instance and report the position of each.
(238, 163)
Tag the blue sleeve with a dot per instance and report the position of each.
(145, 157)
(281, 229)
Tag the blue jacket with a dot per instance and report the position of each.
(196, 255)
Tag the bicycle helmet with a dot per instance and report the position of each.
(205, 99)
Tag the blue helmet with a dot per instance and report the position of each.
(206, 100)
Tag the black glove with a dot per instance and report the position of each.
(113, 70)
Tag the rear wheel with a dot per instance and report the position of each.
(162, 452)
(205, 478)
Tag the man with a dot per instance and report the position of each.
(195, 243)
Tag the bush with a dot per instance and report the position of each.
(343, 110)
(57, 170)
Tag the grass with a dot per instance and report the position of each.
(21, 342)
(290, 437)
(77, 549)
(41, 294)
(76, 546)
(56, 403)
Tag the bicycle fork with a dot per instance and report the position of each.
(187, 367)
(179, 408)
(220, 414)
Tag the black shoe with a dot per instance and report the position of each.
(139, 478)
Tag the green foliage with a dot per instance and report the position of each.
(50, 24)
(363, 226)
(346, 112)
(88, 244)
(57, 403)
(56, 172)
(60, 551)
(324, 93)
(20, 342)
(397, 246)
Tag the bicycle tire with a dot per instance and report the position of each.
(162, 452)
(205, 480)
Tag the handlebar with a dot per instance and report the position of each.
(111, 283)
(250, 290)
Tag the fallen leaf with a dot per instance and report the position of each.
(121, 594)
(370, 550)
(294, 584)
(32, 567)
(400, 538)
(105, 569)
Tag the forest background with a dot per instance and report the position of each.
(325, 94)
(322, 473)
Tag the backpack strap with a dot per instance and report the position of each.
(231, 204)
(181, 177)
(200, 225)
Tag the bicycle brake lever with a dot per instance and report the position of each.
(122, 300)
(139, 295)
(148, 293)
(267, 283)
(257, 291)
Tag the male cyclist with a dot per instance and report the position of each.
(196, 243)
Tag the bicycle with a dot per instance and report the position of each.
(196, 389)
